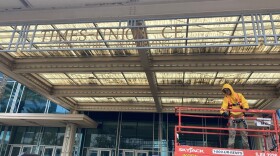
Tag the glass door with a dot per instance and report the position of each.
(92, 152)
(27, 149)
(57, 152)
(15, 150)
(128, 153)
(141, 153)
(105, 153)
(99, 152)
(48, 151)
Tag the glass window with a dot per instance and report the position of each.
(49, 136)
(6, 96)
(15, 151)
(7, 136)
(60, 136)
(32, 102)
(48, 152)
(136, 131)
(25, 135)
(102, 137)
(106, 133)
(31, 135)
(54, 108)
(53, 136)
(1, 132)
(17, 135)
(58, 152)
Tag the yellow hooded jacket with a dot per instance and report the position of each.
(233, 99)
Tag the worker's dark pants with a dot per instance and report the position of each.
(232, 132)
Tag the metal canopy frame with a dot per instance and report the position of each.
(248, 30)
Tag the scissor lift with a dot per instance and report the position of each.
(257, 131)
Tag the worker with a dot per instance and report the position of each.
(235, 101)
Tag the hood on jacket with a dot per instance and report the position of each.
(229, 87)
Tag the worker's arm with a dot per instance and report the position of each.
(224, 105)
(244, 102)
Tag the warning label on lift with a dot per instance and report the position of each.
(184, 150)
(227, 152)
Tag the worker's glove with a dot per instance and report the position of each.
(225, 114)
(246, 109)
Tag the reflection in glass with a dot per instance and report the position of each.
(128, 153)
(48, 152)
(104, 136)
(54, 108)
(32, 102)
(6, 96)
(30, 135)
(26, 150)
(17, 135)
(60, 136)
(92, 153)
(136, 131)
(105, 153)
(15, 151)
(58, 152)
(141, 154)
(53, 136)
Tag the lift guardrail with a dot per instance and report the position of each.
(262, 124)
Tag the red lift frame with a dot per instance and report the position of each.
(185, 150)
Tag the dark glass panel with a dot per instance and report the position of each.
(102, 137)
(49, 136)
(32, 102)
(104, 153)
(58, 152)
(137, 131)
(54, 108)
(15, 151)
(17, 135)
(31, 135)
(105, 134)
(60, 136)
(26, 150)
(48, 152)
(5, 98)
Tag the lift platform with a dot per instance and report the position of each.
(262, 128)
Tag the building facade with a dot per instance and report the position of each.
(117, 133)
(102, 78)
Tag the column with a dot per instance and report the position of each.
(69, 139)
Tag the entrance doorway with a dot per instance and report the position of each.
(18, 149)
(126, 152)
(15, 150)
(99, 152)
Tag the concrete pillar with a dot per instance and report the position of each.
(69, 139)
(74, 112)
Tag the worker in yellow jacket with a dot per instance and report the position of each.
(235, 101)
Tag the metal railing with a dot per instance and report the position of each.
(263, 128)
